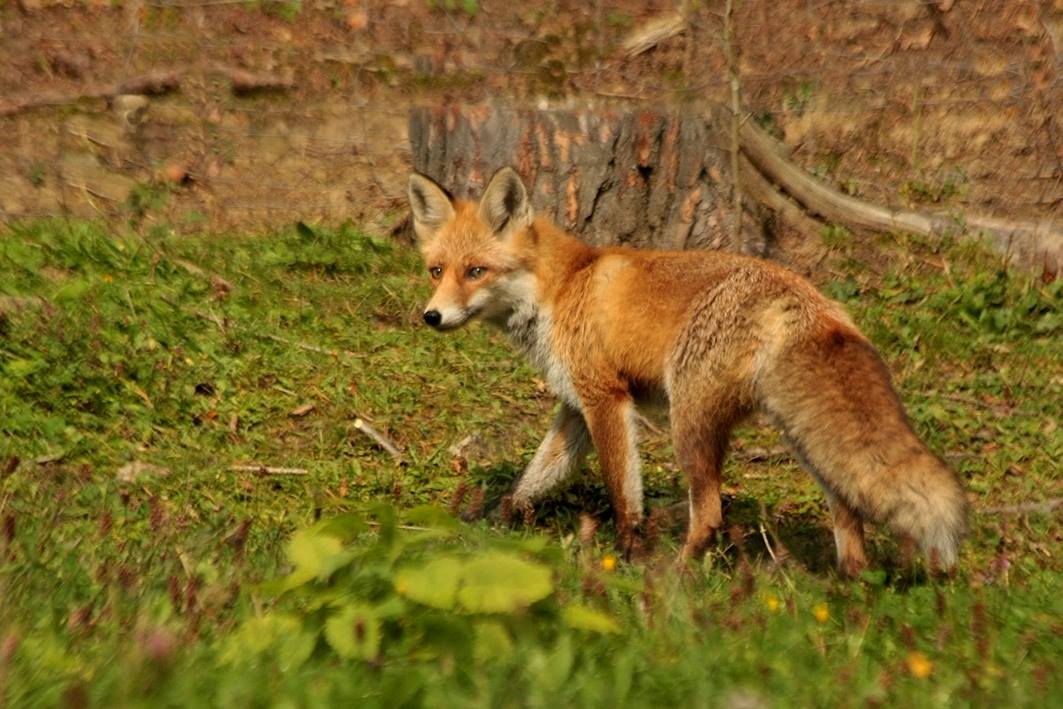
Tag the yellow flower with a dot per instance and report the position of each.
(821, 613)
(772, 603)
(106, 278)
(608, 562)
(919, 664)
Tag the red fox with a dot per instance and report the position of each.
(712, 335)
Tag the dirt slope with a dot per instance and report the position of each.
(287, 111)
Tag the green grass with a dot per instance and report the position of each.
(185, 585)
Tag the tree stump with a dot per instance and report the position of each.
(645, 178)
(662, 179)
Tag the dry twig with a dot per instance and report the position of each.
(307, 346)
(1042, 506)
(757, 454)
(269, 470)
(380, 439)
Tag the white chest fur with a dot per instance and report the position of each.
(530, 329)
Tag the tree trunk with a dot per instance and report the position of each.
(663, 179)
(658, 179)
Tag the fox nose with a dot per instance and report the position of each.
(433, 317)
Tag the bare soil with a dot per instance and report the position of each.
(289, 111)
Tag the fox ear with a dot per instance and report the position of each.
(432, 206)
(505, 205)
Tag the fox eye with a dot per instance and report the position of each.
(436, 271)
(475, 272)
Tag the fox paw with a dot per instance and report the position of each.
(511, 510)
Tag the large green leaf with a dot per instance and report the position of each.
(550, 669)
(293, 649)
(431, 516)
(502, 583)
(354, 633)
(316, 555)
(583, 617)
(434, 584)
(258, 634)
(343, 526)
(492, 641)
(21, 368)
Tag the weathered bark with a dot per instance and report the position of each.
(646, 178)
(662, 179)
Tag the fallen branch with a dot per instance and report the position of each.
(154, 84)
(762, 190)
(380, 439)
(653, 33)
(244, 82)
(1042, 506)
(1032, 243)
(269, 470)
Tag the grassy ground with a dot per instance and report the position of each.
(138, 566)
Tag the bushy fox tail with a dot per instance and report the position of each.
(830, 394)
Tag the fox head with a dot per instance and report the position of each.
(470, 249)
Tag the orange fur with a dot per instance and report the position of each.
(715, 335)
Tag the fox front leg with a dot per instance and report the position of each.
(561, 452)
(611, 421)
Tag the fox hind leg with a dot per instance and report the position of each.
(848, 535)
(701, 456)
(848, 521)
(702, 420)
(703, 411)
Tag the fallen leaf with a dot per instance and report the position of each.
(49, 458)
(222, 288)
(10, 466)
(131, 472)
